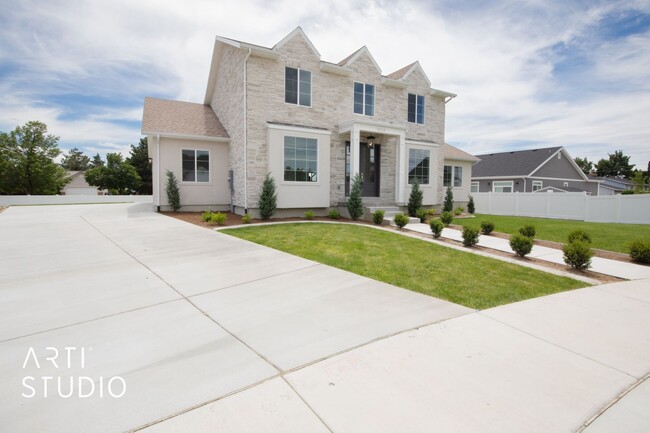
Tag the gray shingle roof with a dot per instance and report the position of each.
(181, 118)
(516, 163)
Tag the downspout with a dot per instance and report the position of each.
(158, 167)
(246, 132)
(524, 183)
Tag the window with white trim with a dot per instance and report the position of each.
(196, 165)
(447, 175)
(419, 165)
(364, 99)
(458, 176)
(474, 187)
(502, 186)
(297, 86)
(300, 159)
(452, 176)
(415, 108)
(537, 185)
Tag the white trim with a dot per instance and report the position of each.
(393, 83)
(297, 31)
(561, 178)
(363, 104)
(424, 109)
(187, 136)
(311, 85)
(528, 177)
(245, 139)
(438, 92)
(318, 166)
(300, 129)
(537, 183)
(512, 186)
(454, 176)
(368, 125)
(478, 187)
(413, 146)
(334, 69)
(195, 181)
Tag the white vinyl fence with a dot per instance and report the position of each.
(25, 200)
(627, 209)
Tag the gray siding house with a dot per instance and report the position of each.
(547, 169)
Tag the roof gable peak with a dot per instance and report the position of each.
(355, 56)
(297, 31)
(403, 73)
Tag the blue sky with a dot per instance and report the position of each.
(527, 74)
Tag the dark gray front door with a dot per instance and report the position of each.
(368, 169)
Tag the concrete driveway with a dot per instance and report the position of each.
(113, 318)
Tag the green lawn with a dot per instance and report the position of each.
(605, 236)
(463, 278)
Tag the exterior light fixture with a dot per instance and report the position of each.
(371, 140)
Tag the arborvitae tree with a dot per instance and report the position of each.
(355, 203)
(173, 192)
(415, 199)
(448, 205)
(470, 205)
(268, 198)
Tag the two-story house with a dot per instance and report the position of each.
(310, 123)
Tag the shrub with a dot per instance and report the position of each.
(436, 228)
(334, 214)
(528, 231)
(219, 218)
(487, 227)
(378, 216)
(246, 219)
(206, 216)
(470, 236)
(640, 250)
(579, 235)
(521, 244)
(446, 218)
(355, 204)
(422, 214)
(627, 192)
(577, 254)
(309, 215)
(432, 212)
(173, 192)
(415, 199)
(268, 198)
(458, 211)
(448, 204)
(470, 205)
(401, 220)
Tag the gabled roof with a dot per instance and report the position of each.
(354, 56)
(297, 31)
(176, 118)
(560, 189)
(454, 153)
(516, 163)
(403, 73)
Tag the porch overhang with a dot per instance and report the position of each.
(349, 126)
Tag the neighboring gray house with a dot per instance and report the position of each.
(310, 123)
(612, 185)
(547, 169)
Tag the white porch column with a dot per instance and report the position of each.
(402, 167)
(355, 139)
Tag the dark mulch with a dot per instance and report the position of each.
(234, 219)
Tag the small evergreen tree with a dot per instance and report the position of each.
(173, 193)
(470, 205)
(448, 205)
(415, 199)
(268, 198)
(355, 204)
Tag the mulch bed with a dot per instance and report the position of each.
(235, 220)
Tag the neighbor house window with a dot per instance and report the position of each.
(364, 99)
(297, 86)
(300, 159)
(419, 165)
(458, 176)
(537, 185)
(474, 187)
(416, 108)
(502, 186)
(446, 175)
(196, 165)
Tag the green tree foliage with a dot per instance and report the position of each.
(139, 158)
(268, 198)
(585, 165)
(27, 161)
(640, 181)
(415, 199)
(173, 192)
(617, 165)
(355, 203)
(471, 208)
(117, 176)
(97, 161)
(448, 205)
(75, 160)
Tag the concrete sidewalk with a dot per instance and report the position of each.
(615, 268)
(213, 333)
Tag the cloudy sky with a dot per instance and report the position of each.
(528, 73)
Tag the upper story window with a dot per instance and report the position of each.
(416, 108)
(297, 86)
(364, 99)
(300, 159)
(196, 165)
(419, 165)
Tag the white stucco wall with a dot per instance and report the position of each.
(430, 190)
(461, 193)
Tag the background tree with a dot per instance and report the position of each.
(355, 202)
(640, 181)
(118, 176)
(75, 160)
(139, 158)
(617, 165)
(585, 165)
(28, 166)
(97, 161)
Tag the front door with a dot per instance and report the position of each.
(368, 169)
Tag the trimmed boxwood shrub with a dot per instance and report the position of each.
(487, 227)
(528, 230)
(422, 214)
(521, 245)
(640, 250)
(401, 220)
(334, 214)
(378, 216)
(309, 215)
(577, 254)
(470, 236)
(446, 218)
(219, 218)
(246, 219)
(458, 211)
(206, 216)
(579, 235)
(436, 228)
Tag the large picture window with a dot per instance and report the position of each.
(300, 159)
(419, 165)
(196, 165)
(297, 86)
(364, 99)
(415, 108)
